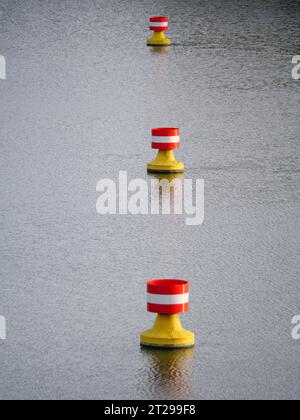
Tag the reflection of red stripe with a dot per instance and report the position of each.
(168, 287)
(168, 309)
(165, 146)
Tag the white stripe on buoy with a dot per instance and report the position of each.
(165, 139)
(168, 299)
(159, 24)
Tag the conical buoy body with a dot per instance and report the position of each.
(168, 298)
(159, 24)
(165, 140)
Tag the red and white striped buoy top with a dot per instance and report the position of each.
(165, 138)
(159, 24)
(168, 296)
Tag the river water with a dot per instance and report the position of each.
(81, 96)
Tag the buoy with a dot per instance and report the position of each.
(159, 24)
(168, 298)
(165, 140)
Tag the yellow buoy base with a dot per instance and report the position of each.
(168, 333)
(158, 39)
(166, 163)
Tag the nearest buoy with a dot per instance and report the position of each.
(168, 298)
(165, 140)
(159, 24)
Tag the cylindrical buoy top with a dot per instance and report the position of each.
(159, 23)
(165, 138)
(169, 296)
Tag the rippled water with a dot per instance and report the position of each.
(81, 95)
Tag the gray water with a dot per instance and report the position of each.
(81, 96)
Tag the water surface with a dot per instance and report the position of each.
(81, 95)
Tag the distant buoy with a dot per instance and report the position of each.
(168, 298)
(165, 140)
(159, 24)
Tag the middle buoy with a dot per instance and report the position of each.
(168, 298)
(165, 140)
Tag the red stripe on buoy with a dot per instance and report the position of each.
(165, 146)
(168, 287)
(159, 19)
(159, 29)
(165, 132)
(167, 309)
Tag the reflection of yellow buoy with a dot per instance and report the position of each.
(168, 371)
(165, 140)
(168, 177)
(160, 50)
(159, 24)
(168, 298)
